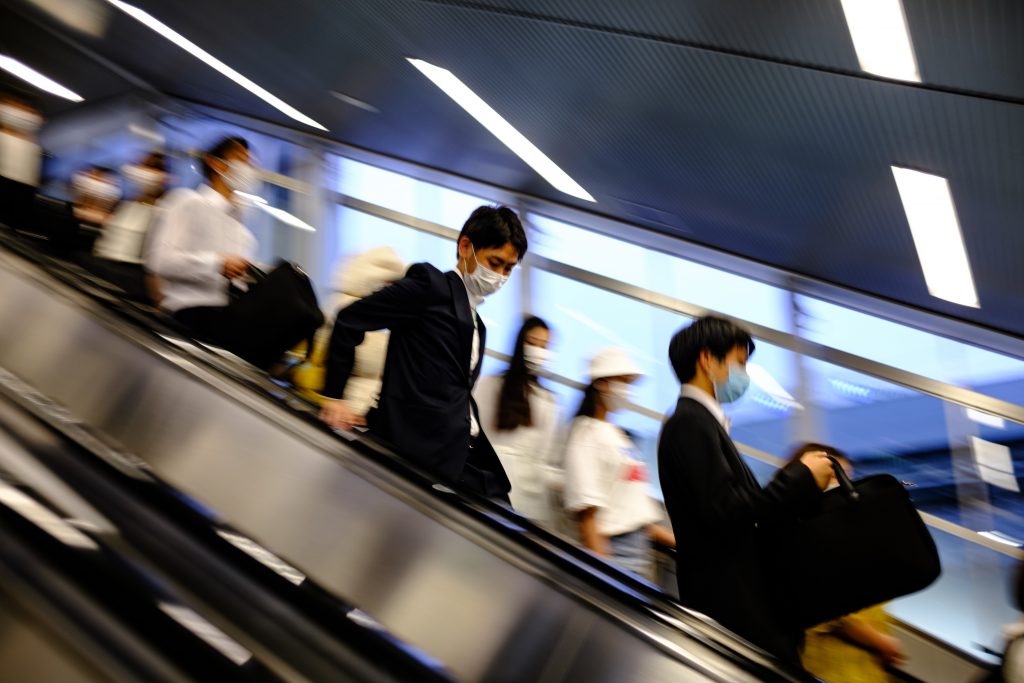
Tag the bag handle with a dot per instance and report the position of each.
(844, 481)
(256, 274)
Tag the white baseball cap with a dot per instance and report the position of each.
(613, 362)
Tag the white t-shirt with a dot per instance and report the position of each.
(124, 233)
(601, 471)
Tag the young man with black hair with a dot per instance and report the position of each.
(199, 246)
(713, 499)
(426, 409)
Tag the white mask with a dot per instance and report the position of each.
(94, 188)
(145, 178)
(617, 396)
(241, 176)
(483, 281)
(537, 357)
(21, 120)
(20, 159)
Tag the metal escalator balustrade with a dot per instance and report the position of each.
(438, 570)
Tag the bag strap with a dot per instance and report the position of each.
(844, 481)
(256, 274)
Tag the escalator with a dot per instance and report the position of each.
(478, 588)
(139, 546)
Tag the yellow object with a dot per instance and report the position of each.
(832, 658)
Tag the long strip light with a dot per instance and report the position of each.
(30, 75)
(501, 129)
(279, 214)
(881, 38)
(931, 214)
(188, 46)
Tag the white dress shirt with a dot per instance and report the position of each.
(124, 233)
(708, 401)
(197, 230)
(474, 354)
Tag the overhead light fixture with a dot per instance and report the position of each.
(279, 214)
(501, 129)
(881, 39)
(33, 77)
(188, 46)
(985, 419)
(1000, 537)
(931, 214)
(772, 388)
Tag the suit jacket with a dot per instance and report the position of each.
(426, 390)
(715, 505)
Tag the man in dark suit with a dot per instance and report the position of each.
(426, 409)
(713, 499)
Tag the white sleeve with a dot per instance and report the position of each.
(486, 396)
(173, 254)
(583, 465)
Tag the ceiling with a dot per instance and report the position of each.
(744, 125)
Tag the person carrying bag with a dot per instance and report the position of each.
(863, 544)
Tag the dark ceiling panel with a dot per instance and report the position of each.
(28, 42)
(973, 46)
(783, 163)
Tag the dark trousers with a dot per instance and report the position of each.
(207, 323)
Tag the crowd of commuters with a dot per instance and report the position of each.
(401, 352)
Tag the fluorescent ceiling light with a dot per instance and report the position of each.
(985, 419)
(928, 204)
(279, 214)
(1000, 537)
(214, 63)
(500, 128)
(30, 75)
(881, 39)
(767, 383)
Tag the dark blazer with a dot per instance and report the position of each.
(715, 505)
(426, 394)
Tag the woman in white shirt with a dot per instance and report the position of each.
(606, 484)
(520, 418)
(120, 248)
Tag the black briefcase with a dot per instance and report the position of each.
(865, 544)
(278, 311)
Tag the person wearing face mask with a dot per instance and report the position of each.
(521, 419)
(713, 500)
(119, 250)
(198, 249)
(606, 483)
(354, 279)
(426, 409)
(20, 159)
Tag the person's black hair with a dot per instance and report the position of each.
(223, 146)
(157, 160)
(718, 336)
(803, 450)
(495, 226)
(12, 93)
(514, 396)
(589, 403)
